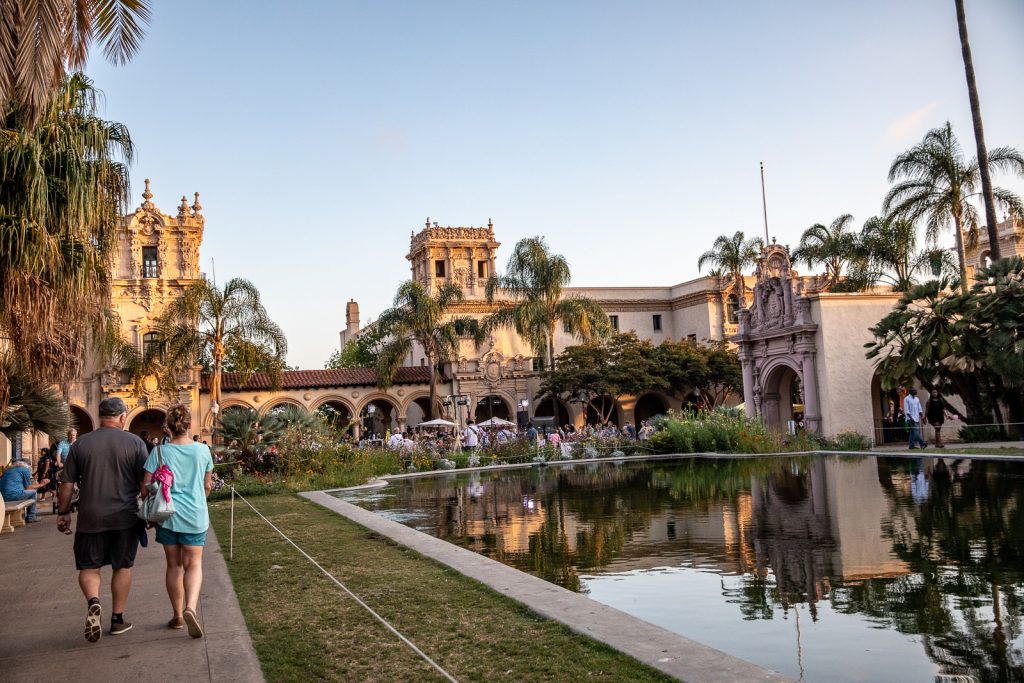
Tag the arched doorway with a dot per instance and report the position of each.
(649, 405)
(417, 411)
(782, 400)
(886, 409)
(492, 406)
(150, 421)
(336, 414)
(606, 406)
(543, 410)
(377, 417)
(80, 420)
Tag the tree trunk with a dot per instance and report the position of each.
(979, 133)
(215, 383)
(960, 253)
(551, 359)
(433, 387)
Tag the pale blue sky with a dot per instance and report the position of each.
(629, 134)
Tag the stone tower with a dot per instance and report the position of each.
(351, 330)
(463, 256)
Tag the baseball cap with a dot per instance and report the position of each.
(112, 407)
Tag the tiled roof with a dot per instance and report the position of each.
(314, 379)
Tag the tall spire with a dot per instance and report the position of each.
(147, 196)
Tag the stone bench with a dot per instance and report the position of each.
(14, 515)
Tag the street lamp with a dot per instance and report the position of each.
(457, 400)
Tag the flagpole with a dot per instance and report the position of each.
(764, 205)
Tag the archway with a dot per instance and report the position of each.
(649, 405)
(282, 405)
(336, 414)
(150, 421)
(80, 420)
(492, 406)
(886, 408)
(603, 404)
(417, 411)
(543, 410)
(782, 401)
(377, 417)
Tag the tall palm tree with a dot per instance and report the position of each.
(937, 183)
(206, 319)
(63, 188)
(534, 305)
(732, 255)
(419, 317)
(39, 39)
(889, 247)
(979, 133)
(834, 246)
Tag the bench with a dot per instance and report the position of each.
(14, 515)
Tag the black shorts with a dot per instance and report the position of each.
(116, 548)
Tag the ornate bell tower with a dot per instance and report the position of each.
(463, 256)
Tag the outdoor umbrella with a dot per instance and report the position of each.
(436, 423)
(496, 422)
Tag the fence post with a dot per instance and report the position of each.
(231, 542)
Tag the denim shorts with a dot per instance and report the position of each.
(168, 537)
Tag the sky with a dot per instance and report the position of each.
(628, 134)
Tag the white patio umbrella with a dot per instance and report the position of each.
(496, 422)
(436, 423)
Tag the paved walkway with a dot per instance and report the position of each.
(42, 613)
(952, 448)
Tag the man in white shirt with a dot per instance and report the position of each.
(912, 410)
(471, 436)
(395, 442)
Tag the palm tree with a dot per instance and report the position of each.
(206, 319)
(889, 248)
(63, 188)
(979, 133)
(732, 255)
(40, 38)
(419, 317)
(937, 183)
(33, 407)
(535, 305)
(834, 246)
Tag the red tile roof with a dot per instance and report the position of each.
(316, 379)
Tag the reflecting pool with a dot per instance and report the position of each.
(822, 568)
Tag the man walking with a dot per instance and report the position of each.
(912, 412)
(107, 466)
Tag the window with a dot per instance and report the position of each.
(151, 345)
(565, 327)
(149, 262)
(731, 305)
(481, 269)
(614, 320)
(538, 364)
(423, 361)
(656, 320)
(691, 337)
(439, 268)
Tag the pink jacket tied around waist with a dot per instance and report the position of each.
(165, 478)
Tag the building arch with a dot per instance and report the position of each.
(81, 421)
(781, 394)
(332, 398)
(281, 401)
(210, 418)
(386, 414)
(648, 405)
(495, 404)
(543, 409)
(416, 410)
(147, 419)
(593, 417)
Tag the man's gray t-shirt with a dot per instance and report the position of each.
(107, 464)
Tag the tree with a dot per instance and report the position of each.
(987, 191)
(361, 352)
(937, 183)
(419, 317)
(732, 255)
(39, 39)
(725, 374)
(889, 249)
(63, 188)
(33, 407)
(208, 320)
(834, 246)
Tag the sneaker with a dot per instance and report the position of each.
(31, 521)
(120, 627)
(195, 629)
(93, 629)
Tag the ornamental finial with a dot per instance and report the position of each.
(147, 196)
(183, 209)
(197, 207)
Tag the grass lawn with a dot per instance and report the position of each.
(305, 628)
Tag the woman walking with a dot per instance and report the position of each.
(183, 535)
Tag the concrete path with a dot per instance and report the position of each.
(42, 613)
(951, 448)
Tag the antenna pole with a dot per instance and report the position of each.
(213, 264)
(764, 205)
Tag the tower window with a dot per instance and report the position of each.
(439, 268)
(151, 345)
(614, 320)
(481, 269)
(731, 306)
(538, 364)
(656, 321)
(149, 262)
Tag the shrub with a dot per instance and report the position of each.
(972, 434)
(848, 441)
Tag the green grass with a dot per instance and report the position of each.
(304, 628)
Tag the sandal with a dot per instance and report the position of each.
(195, 629)
(176, 622)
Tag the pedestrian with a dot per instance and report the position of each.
(470, 436)
(106, 465)
(64, 447)
(935, 412)
(531, 432)
(16, 485)
(183, 535)
(913, 412)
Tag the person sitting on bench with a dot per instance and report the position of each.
(16, 485)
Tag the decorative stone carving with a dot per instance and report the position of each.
(136, 257)
(163, 248)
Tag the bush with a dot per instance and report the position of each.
(714, 431)
(848, 441)
(970, 434)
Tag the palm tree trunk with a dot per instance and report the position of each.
(979, 133)
(551, 359)
(433, 387)
(960, 255)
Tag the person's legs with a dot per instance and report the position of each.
(192, 559)
(120, 586)
(89, 582)
(911, 442)
(174, 578)
(30, 514)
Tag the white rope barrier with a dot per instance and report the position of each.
(340, 585)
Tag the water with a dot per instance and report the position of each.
(822, 568)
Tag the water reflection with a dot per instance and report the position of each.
(918, 560)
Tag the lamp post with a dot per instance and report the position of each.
(457, 400)
(582, 399)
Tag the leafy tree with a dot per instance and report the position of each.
(361, 352)
(63, 188)
(33, 407)
(682, 364)
(208, 320)
(834, 246)
(888, 247)
(419, 317)
(725, 374)
(40, 38)
(937, 183)
(732, 255)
